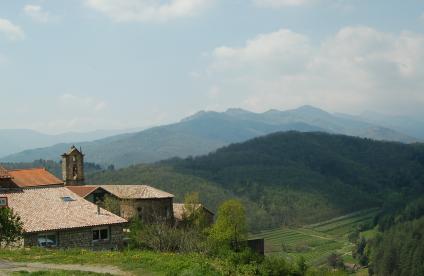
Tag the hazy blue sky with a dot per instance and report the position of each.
(95, 64)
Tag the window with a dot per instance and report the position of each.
(47, 240)
(101, 234)
(67, 199)
(74, 171)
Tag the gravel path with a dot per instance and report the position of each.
(7, 267)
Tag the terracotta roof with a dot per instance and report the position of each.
(34, 178)
(135, 191)
(179, 209)
(4, 173)
(82, 191)
(45, 209)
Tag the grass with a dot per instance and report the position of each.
(135, 261)
(317, 241)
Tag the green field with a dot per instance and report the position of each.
(317, 241)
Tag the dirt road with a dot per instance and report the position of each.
(7, 267)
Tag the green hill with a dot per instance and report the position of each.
(290, 178)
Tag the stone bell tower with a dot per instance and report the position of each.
(73, 167)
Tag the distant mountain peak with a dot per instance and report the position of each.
(237, 111)
(310, 110)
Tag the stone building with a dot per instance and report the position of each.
(54, 216)
(181, 213)
(144, 202)
(73, 167)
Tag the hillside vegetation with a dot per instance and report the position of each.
(290, 178)
(207, 131)
(317, 241)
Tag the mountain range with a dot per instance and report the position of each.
(205, 132)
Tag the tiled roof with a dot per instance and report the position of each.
(4, 173)
(82, 191)
(34, 178)
(135, 191)
(179, 209)
(45, 209)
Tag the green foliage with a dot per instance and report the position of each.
(162, 237)
(193, 216)
(397, 211)
(112, 204)
(335, 261)
(10, 227)
(230, 226)
(399, 250)
(359, 251)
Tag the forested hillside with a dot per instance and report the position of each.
(292, 177)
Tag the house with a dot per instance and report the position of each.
(144, 202)
(147, 203)
(27, 178)
(181, 212)
(54, 216)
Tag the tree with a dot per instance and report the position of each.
(10, 227)
(193, 214)
(302, 266)
(230, 226)
(335, 261)
(112, 204)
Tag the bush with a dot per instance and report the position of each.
(160, 236)
(335, 261)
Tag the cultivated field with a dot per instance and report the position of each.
(315, 242)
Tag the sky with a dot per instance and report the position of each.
(81, 65)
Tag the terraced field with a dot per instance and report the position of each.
(317, 241)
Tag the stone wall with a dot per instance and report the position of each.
(70, 163)
(81, 238)
(148, 210)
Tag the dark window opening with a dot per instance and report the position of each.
(101, 234)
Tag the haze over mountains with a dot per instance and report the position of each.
(207, 131)
(16, 140)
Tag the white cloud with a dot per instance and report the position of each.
(82, 103)
(281, 3)
(10, 30)
(148, 10)
(266, 52)
(36, 13)
(355, 69)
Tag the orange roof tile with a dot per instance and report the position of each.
(82, 191)
(47, 209)
(34, 178)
